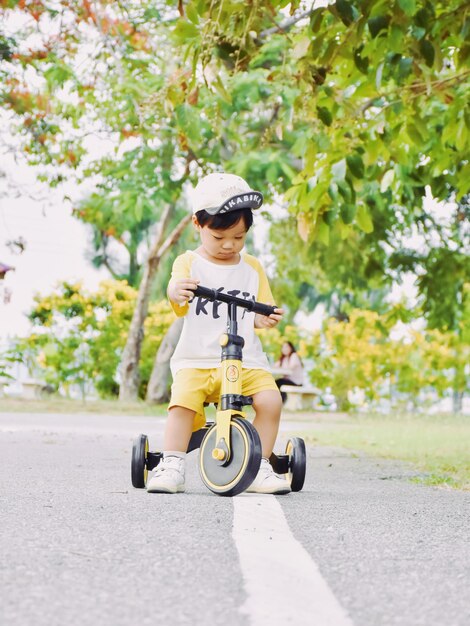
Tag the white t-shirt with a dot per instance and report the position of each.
(205, 321)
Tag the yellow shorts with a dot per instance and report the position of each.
(193, 387)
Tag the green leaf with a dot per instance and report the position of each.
(151, 13)
(463, 181)
(221, 90)
(424, 16)
(345, 11)
(355, 165)
(346, 191)
(272, 173)
(404, 67)
(323, 233)
(189, 121)
(363, 219)
(139, 208)
(376, 24)
(329, 217)
(191, 12)
(316, 19)
(463, 55)
(58, 74)
(362, 63)
(395, 38)
(427, 50)
(344, 229)
(418, 32)
(461, 135)
(325, 115)
(414, 134)
(185, 31)
(348, 213)
(407, 6)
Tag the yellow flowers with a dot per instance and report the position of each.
(82, 334)
(362, 353)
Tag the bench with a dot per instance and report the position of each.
(299, 398)
(32, 389)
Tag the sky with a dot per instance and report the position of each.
(55, 245)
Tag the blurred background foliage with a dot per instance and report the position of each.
(78, 337)
(349, 117)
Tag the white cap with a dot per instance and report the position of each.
(220, 193)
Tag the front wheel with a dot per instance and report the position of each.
(242, 468)
(139, 469)
(295, 450)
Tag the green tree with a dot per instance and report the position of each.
(79, 337)
(362, 354)
(345, 114)
(370, 100)
(122, 93)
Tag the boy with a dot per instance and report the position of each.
(222, 214)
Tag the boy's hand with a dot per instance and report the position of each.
(261, 321)
(180, 290)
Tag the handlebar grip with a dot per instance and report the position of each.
(263, 309)
(205, 292)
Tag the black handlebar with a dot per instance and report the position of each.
(250, 305)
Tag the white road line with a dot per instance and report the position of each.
(283, 583)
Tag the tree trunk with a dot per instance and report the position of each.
(129, 367)
(157, 390)
(457, 401)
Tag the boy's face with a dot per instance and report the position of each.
(222, 245)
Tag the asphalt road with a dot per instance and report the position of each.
(80, 546)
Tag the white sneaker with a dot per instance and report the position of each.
(267, 481)
(168, 476)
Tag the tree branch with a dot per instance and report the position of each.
(417, 90)
(153, 252)
(284, 26)
(174, 235)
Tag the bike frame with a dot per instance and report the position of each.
(231, 399)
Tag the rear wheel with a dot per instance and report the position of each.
(231, 478)
(295, 450)
(139, 471)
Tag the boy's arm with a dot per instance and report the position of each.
(180, 285)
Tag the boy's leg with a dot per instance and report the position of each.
(178, 429)
(267, 405)
(187, 391)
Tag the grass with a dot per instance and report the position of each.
(65, 405)
(438, 446)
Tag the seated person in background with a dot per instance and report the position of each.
(289, 361)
